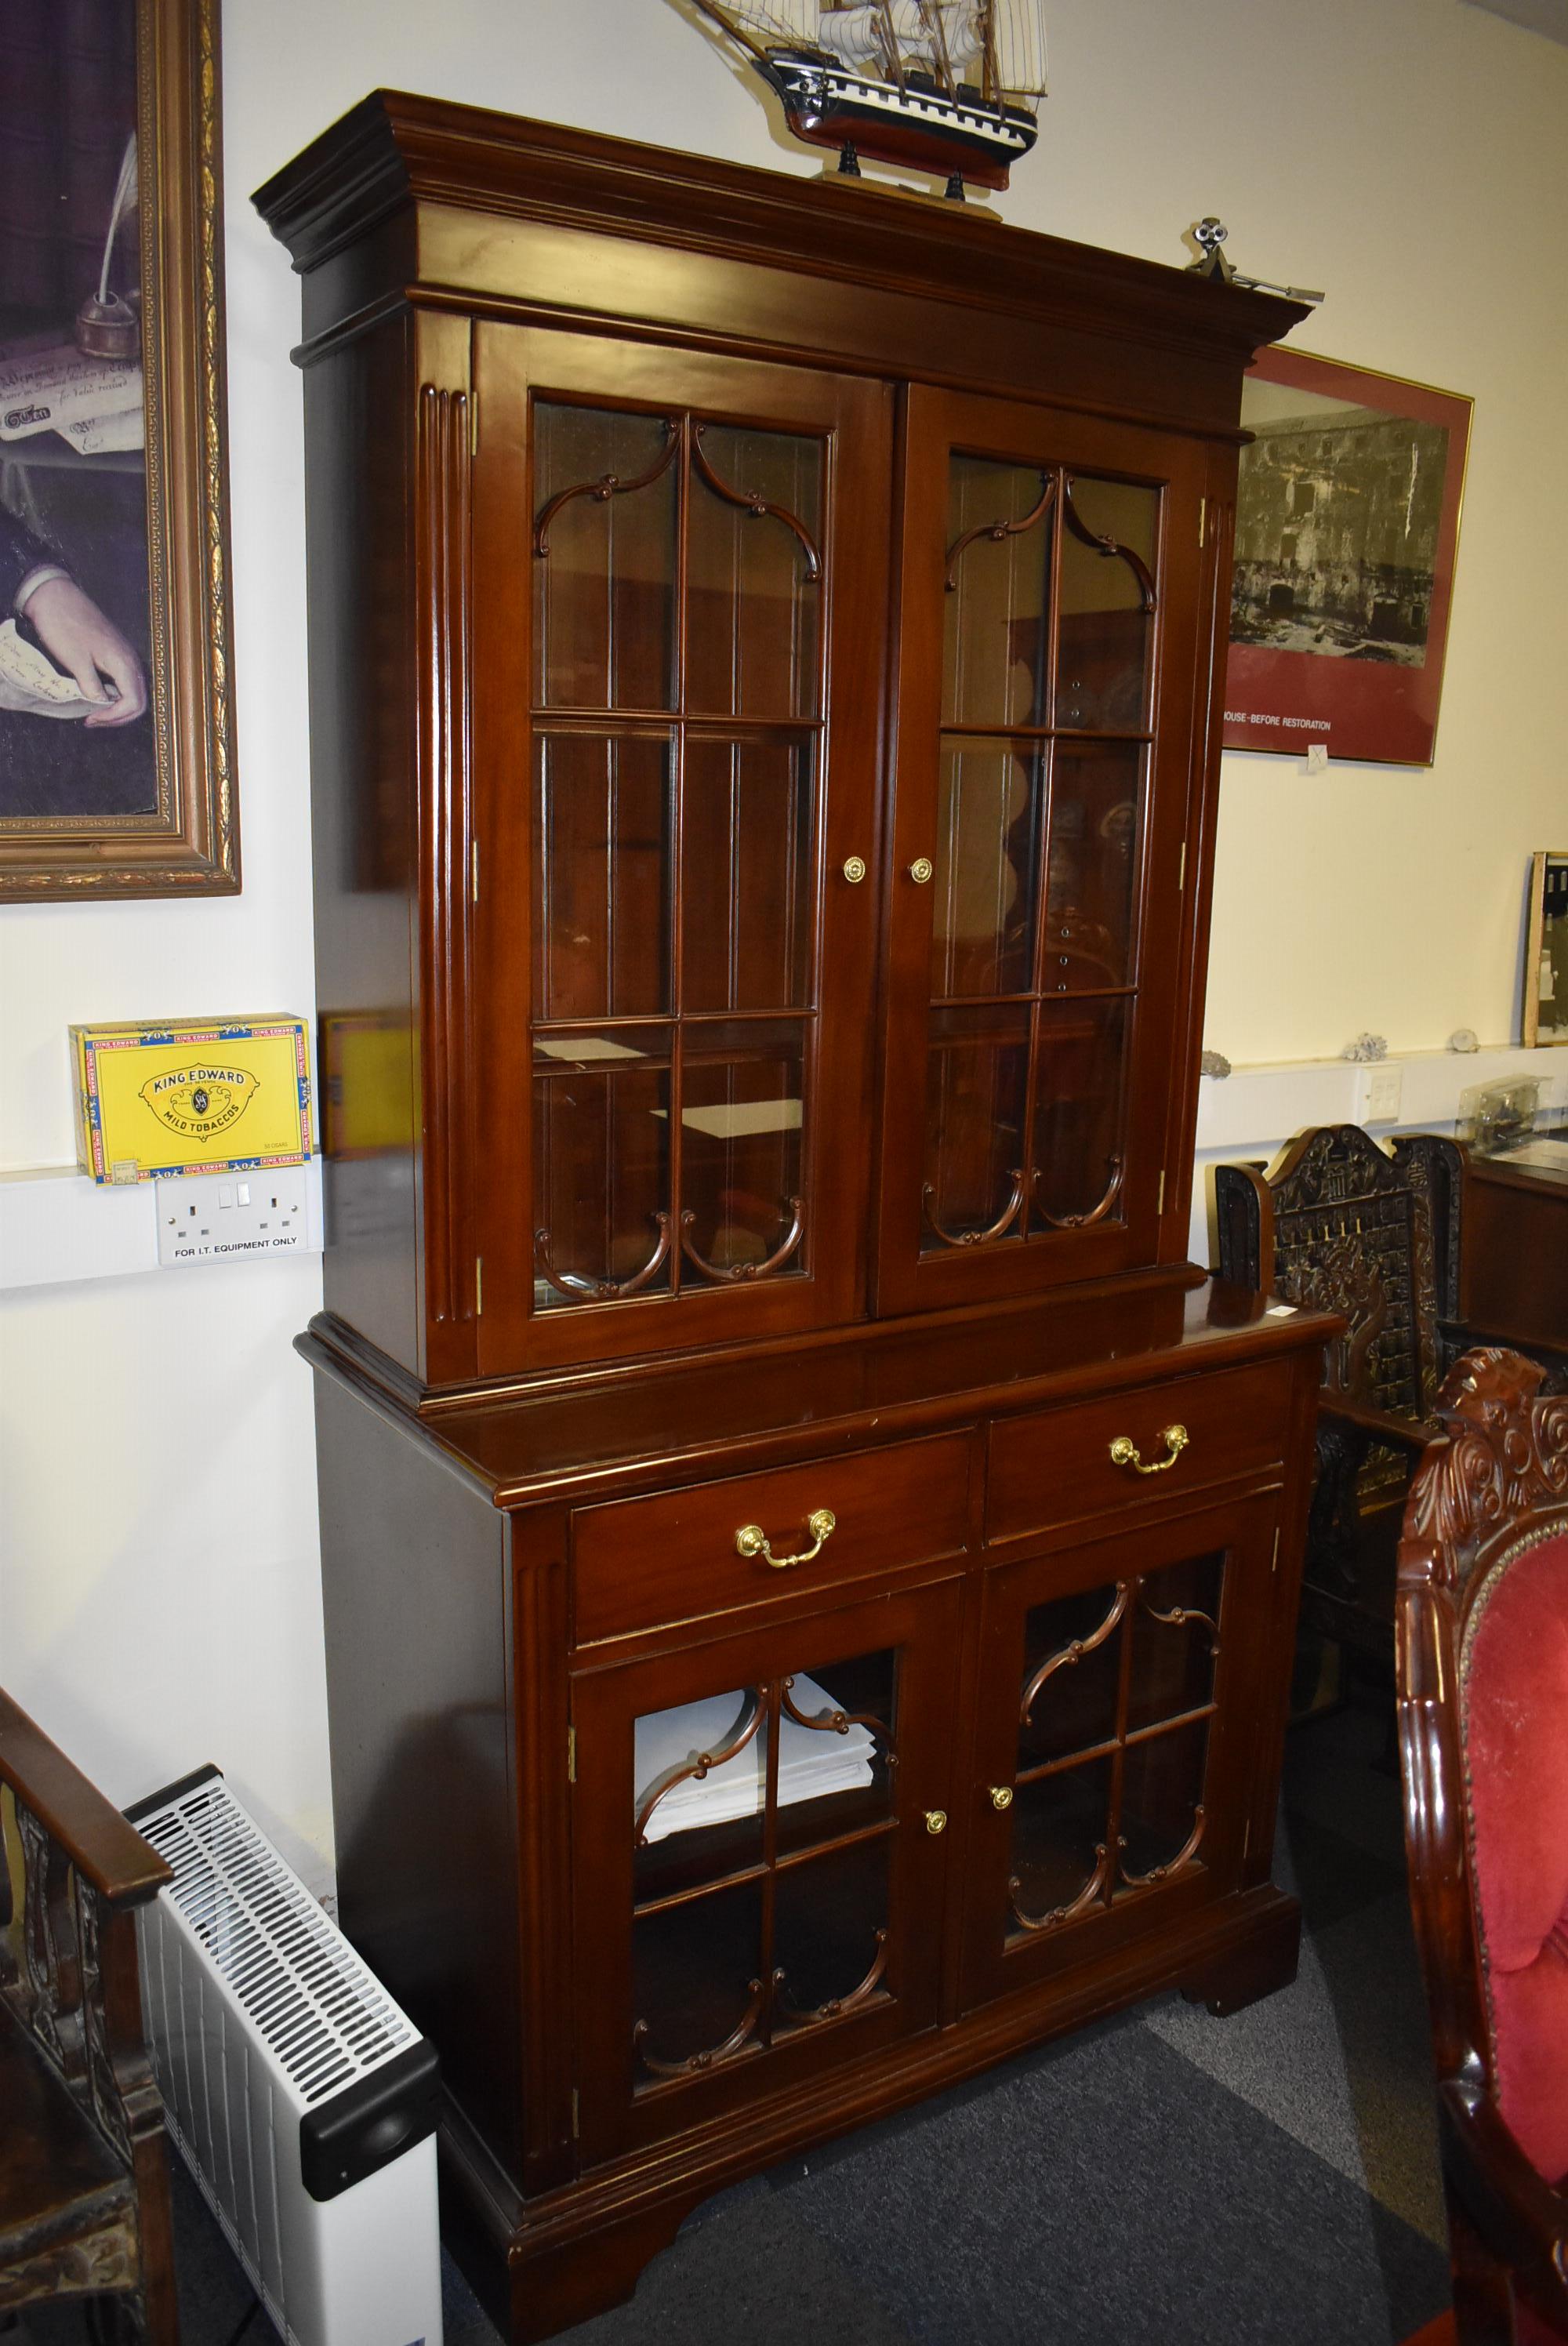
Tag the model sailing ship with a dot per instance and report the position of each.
(946, 86)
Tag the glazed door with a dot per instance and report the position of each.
(1046, 756)
(759, 1844)
(1111, 1773)
(679, 583)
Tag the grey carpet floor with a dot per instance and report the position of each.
(1272, 2178)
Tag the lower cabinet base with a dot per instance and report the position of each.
(541, 2265)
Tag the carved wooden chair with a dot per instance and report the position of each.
(1482, 1692)
(1340, 1224)
(84, 2177)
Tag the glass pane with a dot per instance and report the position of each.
(604, 587)
(1176, 1637)
(829, 1934)
(1092, 864)
(1080, 1081)
(1162, 1786)
(743, 1097)
(1061, 1830)
(996, 606)
(1072, 1664)
(754, 543)
(1106, 635)
(691, 1830)
(697, 1984)
(747, 865)
(989, 800)
(836, 1751)
(601, 1169)
(602, 856)
(976, 1080)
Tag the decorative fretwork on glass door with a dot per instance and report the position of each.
(1050, 609)
(762, 1823)
(677, 718)
(1115, 1712)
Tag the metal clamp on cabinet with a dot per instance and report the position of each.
(1124, 1451)
(752, 1540)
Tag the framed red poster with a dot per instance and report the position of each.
(1346, 529)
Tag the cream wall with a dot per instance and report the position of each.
(159, 1603)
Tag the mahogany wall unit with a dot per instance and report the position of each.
(810, 1569)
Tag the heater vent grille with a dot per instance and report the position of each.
(314, 2005)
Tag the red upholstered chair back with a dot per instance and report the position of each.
(1483, 1676)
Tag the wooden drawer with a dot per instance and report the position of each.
(1054, 1466)
(638, 1564)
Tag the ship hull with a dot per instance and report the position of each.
(912, 129)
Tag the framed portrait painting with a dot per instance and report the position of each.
(1347, 532)
(116, 760)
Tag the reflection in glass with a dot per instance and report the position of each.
(1092, 865)
(753, 573)
(602, 861)
(605, 505)
(829, 1934)
(998, 593)
(743, 1092)
(1072, 1663)
(1059, 1839)
(697, 1983)
(1162, 1794)
(601, 1170)
(976, 1085)
(1109, 536)
(1176, 1640)
(747, 865)
(989, 800)
(1079, 1098)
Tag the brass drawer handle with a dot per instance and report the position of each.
(752, 1540)
(1002, 1796)
(1124, 1451)
(921, 869)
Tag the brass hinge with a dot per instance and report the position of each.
(479, 1287)
(1202, 517)
(1160, 1200)
(571, 1755)
(473, 427)
(575, 2114)
(1246, 1840)
(473, 871)
(1274, 1566)
(1181, 870)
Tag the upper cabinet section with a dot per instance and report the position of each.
(763, 637)
(1045, 727)
(668, 800)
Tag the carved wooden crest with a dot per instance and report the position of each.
(1506, 1457)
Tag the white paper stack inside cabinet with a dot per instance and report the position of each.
(813, 1762)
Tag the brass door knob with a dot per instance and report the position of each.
(854, 870)
(936, 1820)
(921, 869)
(1002, 1796)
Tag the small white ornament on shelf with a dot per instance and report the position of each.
(1464, 1038)
(1367, 1046)
(1213, 1063)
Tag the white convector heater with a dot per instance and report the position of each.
(303, 2100)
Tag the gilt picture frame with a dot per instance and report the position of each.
(1346, 540)
(116, 738)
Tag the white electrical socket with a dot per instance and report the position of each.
(1379, 1093)
(230, 1216)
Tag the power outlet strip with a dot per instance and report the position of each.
(230, 1216)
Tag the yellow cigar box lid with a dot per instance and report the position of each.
(192, 1096)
